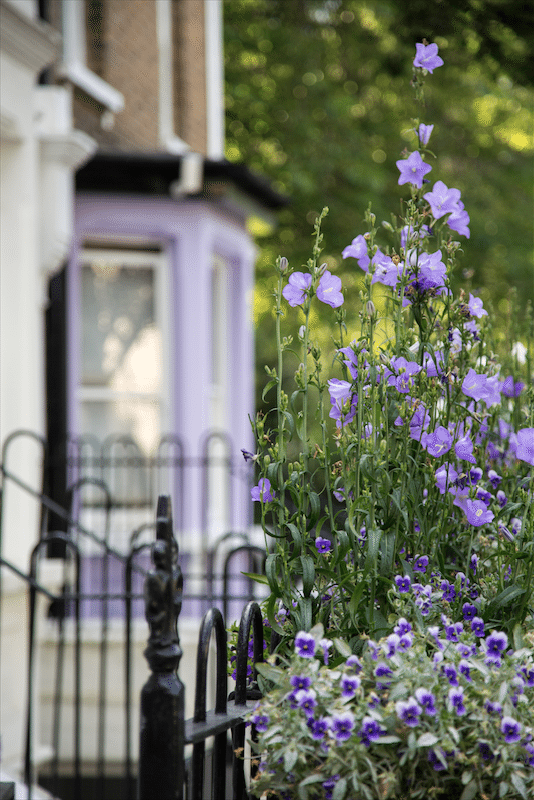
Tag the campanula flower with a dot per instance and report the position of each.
(358, 249)
(424, 132)
(329, 290)
(426, 57)
(476, 309)
(413, 169)
(459, 221)
(442, 200)
(297, 288)
(525, 445)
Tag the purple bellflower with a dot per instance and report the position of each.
(442, 200)
(413, 169)
(525, 445)
(329, 290)
(297, 288)
(358, 249)
(426, 57)
(476, 309)
(424, 132)
(459, 220)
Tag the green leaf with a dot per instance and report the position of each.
(470, 791)
(503, 789)
(374, 536)
(290, 759)
(268, 386)
(340, 789)
(271, 574)
(277, 675)
(388, 740)
(255, 576)
(315, 510)
(519, 784)
(427, 740)
(318, 631)
(505, 598)
(308, 574)
(342, 647)
(271, 606)
(296, 536)
(517, 635)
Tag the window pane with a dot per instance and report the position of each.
(129, 416)
(121, 342)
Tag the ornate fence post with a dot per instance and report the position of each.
(161, 750)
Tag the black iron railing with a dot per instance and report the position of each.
(120, 582)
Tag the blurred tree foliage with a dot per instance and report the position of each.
(318, 99)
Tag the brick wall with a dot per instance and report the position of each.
(130, 64)
(190, 73)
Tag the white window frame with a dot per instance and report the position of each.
(135, 258)
(74, 65)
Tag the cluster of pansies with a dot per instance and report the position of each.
(425, 707)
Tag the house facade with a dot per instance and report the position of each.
(126, 288)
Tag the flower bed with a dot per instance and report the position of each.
(398, 483)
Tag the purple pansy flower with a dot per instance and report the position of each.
(426, 57)
(420, 563)
(300, 681)
(304, 645)
(408, 711)
(319, 728)
(456, 700)
(403, 583)
(511, 729)
(261, 721)
(323, 545)
(297, 289)
(349, 685)
(496, 643)
(306, 700)
(329, 290)
(427, 701)
(413, 169)
(370, 731)
(477, 626)
(342, 726)
(435, 760)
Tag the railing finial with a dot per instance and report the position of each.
(161, 752)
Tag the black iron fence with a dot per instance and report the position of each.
(93, 634)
